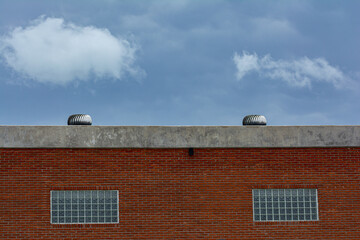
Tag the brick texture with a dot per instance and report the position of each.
(167, 194)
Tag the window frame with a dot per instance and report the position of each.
(285, 207)
(91, 204)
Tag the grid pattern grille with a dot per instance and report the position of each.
(74, 207)
(285, 205)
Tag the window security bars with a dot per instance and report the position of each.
(285, 205)
(79, 207)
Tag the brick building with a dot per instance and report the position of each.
(236, 182)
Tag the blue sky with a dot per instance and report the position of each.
(180, 62)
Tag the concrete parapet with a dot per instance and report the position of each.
(178, 136)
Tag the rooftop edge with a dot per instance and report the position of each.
(178, 136)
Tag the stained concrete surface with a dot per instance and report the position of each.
(177, 136)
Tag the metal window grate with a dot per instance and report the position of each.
(78, 207)
(285, 205)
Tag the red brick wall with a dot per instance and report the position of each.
(166, 194)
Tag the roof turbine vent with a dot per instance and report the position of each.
(79, 119)
(254, 120)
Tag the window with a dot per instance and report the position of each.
(84, 207)
(285, 205)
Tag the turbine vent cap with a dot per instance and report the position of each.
(79, 119)
(254, 120)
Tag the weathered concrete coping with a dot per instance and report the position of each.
(178, 136)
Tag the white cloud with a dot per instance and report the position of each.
(245, 64)
(299, 73)
(50, 50)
